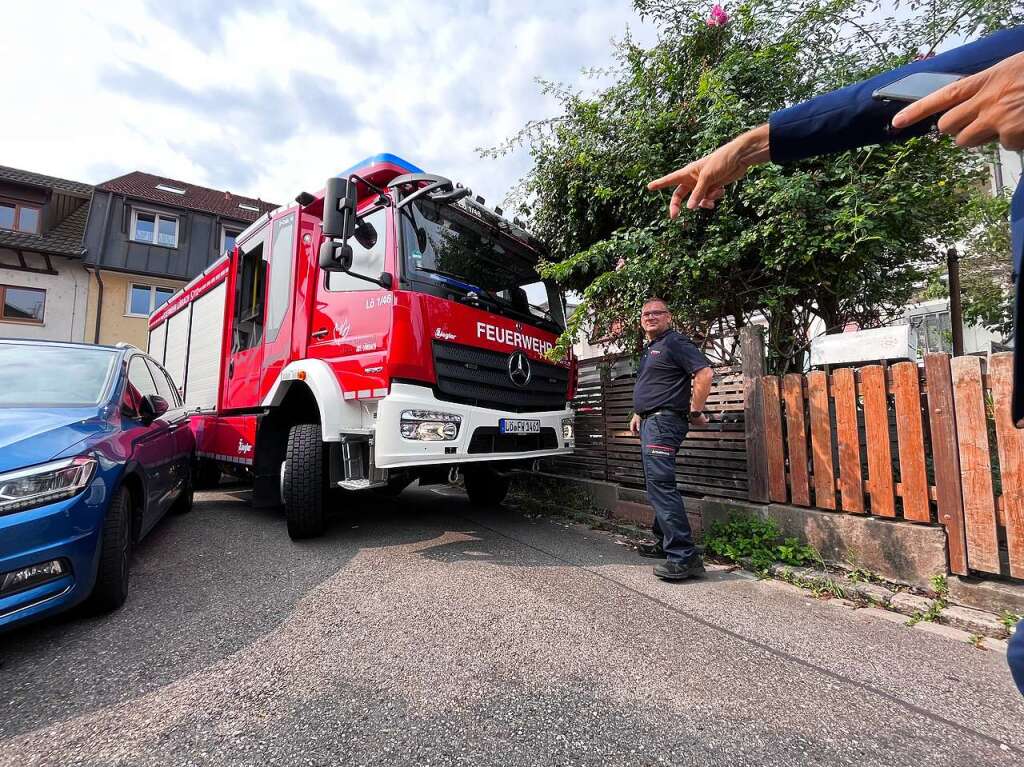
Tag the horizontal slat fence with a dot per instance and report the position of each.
(927, 445)
(712, 459)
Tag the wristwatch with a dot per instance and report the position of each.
(696, 414)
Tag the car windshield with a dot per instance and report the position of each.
(451, 253)
(37, 375)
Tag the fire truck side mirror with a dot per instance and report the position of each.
(335, 257)
(339, 208)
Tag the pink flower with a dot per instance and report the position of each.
(718, 17)
(621, 264)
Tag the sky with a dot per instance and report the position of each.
(266, 98)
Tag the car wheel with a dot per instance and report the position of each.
(303, 481)
(111, 587)
(485, 487)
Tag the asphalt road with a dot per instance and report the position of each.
(421, 631)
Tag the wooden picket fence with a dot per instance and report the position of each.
(712, 459)
(931, 445)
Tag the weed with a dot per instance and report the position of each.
(1009, 619)
(976, 640)
(940, 586)
(758, 540)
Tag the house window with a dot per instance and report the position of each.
(227, 239)
(934, 332)
(143, 300)
(22, 304)
(155, 228)
(18, 217)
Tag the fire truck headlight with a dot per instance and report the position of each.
(430, 425)
(567, 430)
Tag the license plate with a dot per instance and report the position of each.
(518, 426)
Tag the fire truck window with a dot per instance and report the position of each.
(139, 377)
(250, 288)
(281, 261)
(368, 261)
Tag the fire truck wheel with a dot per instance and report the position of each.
(485, 487)
(302, 481)
(207, 474)
(111, 587)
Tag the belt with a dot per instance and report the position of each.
(660, 411)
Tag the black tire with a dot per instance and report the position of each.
(207, 474)
(111, 587)
(394, 487)
(485, 487)
(303, 482)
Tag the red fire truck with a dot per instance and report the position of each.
(388, 329)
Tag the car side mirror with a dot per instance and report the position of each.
(152, 407)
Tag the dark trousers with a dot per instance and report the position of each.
(1015, 657)
(660, 438)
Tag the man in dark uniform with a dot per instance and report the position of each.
(672, 384)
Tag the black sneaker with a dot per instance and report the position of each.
(680, 571)
(651, 550)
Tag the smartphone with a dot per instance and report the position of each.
(913, 87)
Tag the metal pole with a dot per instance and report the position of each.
(956, 315)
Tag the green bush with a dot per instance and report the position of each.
(756, 539)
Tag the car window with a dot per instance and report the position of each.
(139, 376)
(163, 384)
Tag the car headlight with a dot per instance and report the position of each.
(45, 483)
(430, 425)
(567, 429)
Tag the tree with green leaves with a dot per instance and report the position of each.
(842, 239)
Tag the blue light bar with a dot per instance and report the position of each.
(378, 159)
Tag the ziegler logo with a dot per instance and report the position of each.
(444, 335)
(514, 338)
(244, 447)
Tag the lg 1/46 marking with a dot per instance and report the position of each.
(519, 426)
(386, 299)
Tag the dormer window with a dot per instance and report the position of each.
(19, 217)
(155, 228)
(169, 188)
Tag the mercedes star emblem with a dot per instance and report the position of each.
(519, 369)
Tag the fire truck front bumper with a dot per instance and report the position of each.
(415, 428)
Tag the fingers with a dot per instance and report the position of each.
(976, 133)
(676, 203)
(958, 117)
(939, 101)
(675, 178)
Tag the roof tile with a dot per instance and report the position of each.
(142, 186)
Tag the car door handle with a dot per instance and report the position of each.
(319, 333)
(231, 369)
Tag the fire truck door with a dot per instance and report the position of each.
(240, 386)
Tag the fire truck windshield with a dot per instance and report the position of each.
(450, 253)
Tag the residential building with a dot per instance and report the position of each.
(43, 283)
(146, 237)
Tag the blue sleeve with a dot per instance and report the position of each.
(849, 117)
(686, 355)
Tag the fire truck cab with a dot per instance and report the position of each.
(387, 329)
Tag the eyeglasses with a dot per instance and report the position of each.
(656, 313)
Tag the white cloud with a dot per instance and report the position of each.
(268, 98)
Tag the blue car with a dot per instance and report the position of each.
(95, 447)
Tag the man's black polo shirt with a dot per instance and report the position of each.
(665, 373)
